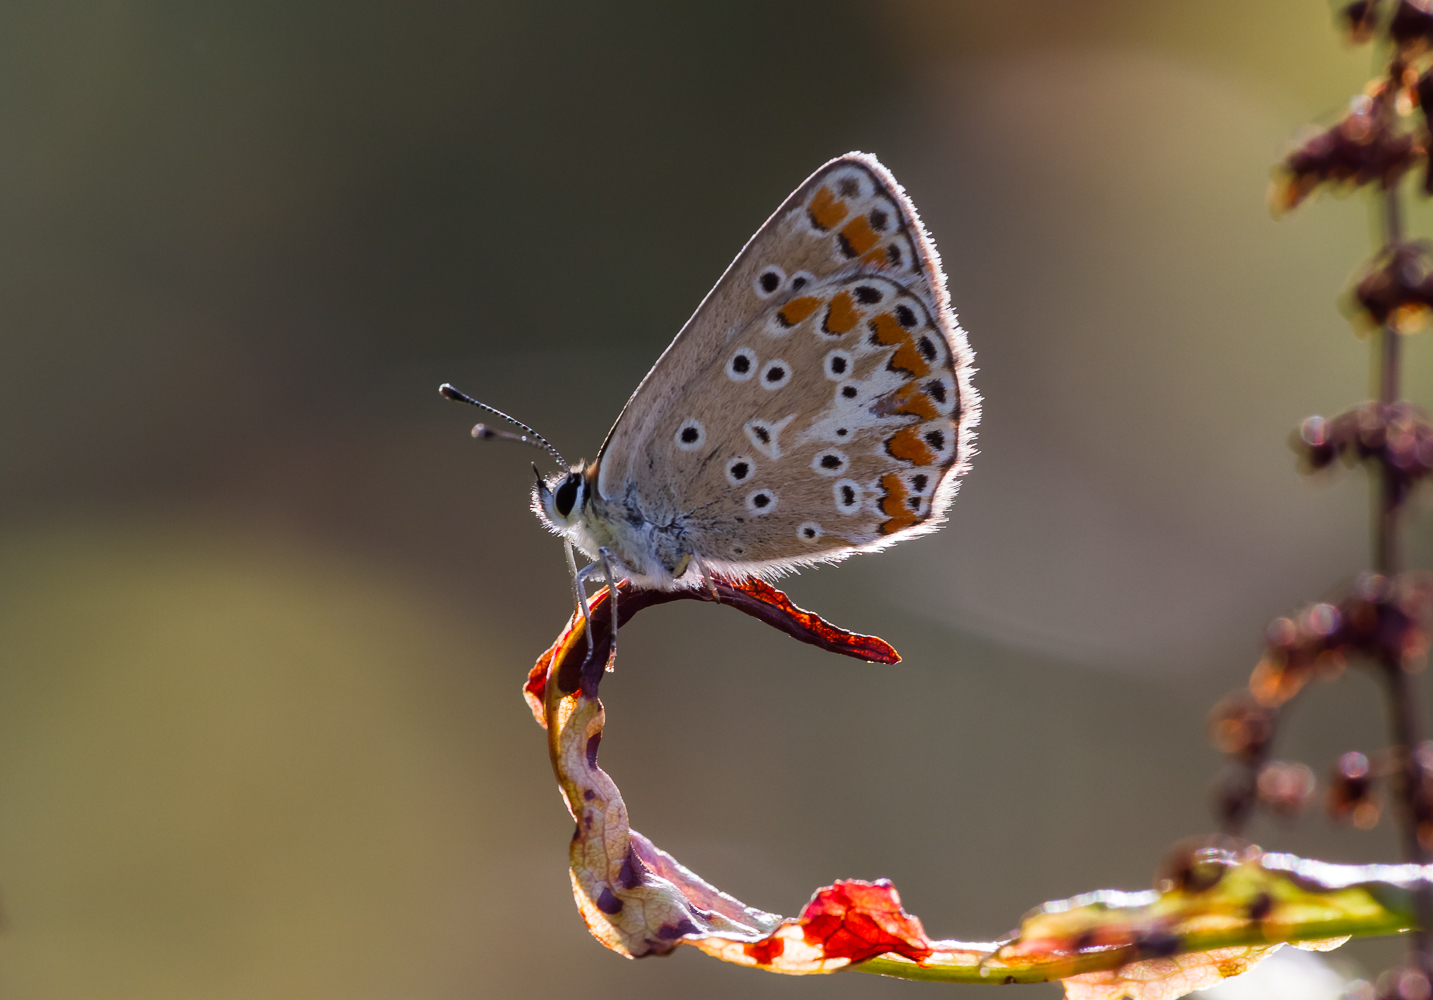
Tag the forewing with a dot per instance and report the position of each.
(818, 402)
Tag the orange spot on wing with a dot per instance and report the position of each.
(912, 399)
(826, 209)
(893, 504)
(843, 315)
(876, 258)
(888, 330)
(907, 445)
(907, 358)
(857, 237)
(797, 310)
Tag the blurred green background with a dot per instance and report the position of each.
(265, 608)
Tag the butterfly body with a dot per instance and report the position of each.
(654, 554)
(817, 404)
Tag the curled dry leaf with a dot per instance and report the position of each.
(1220, 910)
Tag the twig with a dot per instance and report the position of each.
(1405, 719)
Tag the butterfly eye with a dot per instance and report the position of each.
(566, 496)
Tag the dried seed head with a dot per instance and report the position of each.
(1350, 793)
(1411, 27)
(1285, 787)
(1359, 20)
(1240, 728)
(1361, 149)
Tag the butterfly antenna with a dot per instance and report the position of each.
(484, 431)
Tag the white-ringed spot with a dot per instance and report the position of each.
(848, 496)
(775, 374)
(830, 462)
(838, 365)
(801, 279)
(761, 501)
(848, 183)
(691, 435)
(899, 254)
(881, 215)
(809, 532)
(765, 435)
(848, 390)
(740, 469)
(741, 366)
(769, 282)
(939, 436)
(941, 391)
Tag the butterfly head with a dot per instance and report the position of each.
(560, 500)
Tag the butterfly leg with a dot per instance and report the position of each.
(707, 579)
(607, 563)
(579, 592)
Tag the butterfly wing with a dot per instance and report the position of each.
(818, 403)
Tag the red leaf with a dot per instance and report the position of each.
(860, 920)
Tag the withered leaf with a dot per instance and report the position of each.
(1155, 945)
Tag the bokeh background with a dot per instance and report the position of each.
(265, 607)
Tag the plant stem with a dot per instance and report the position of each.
(1404, 717)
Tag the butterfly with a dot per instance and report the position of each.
(817, 404)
